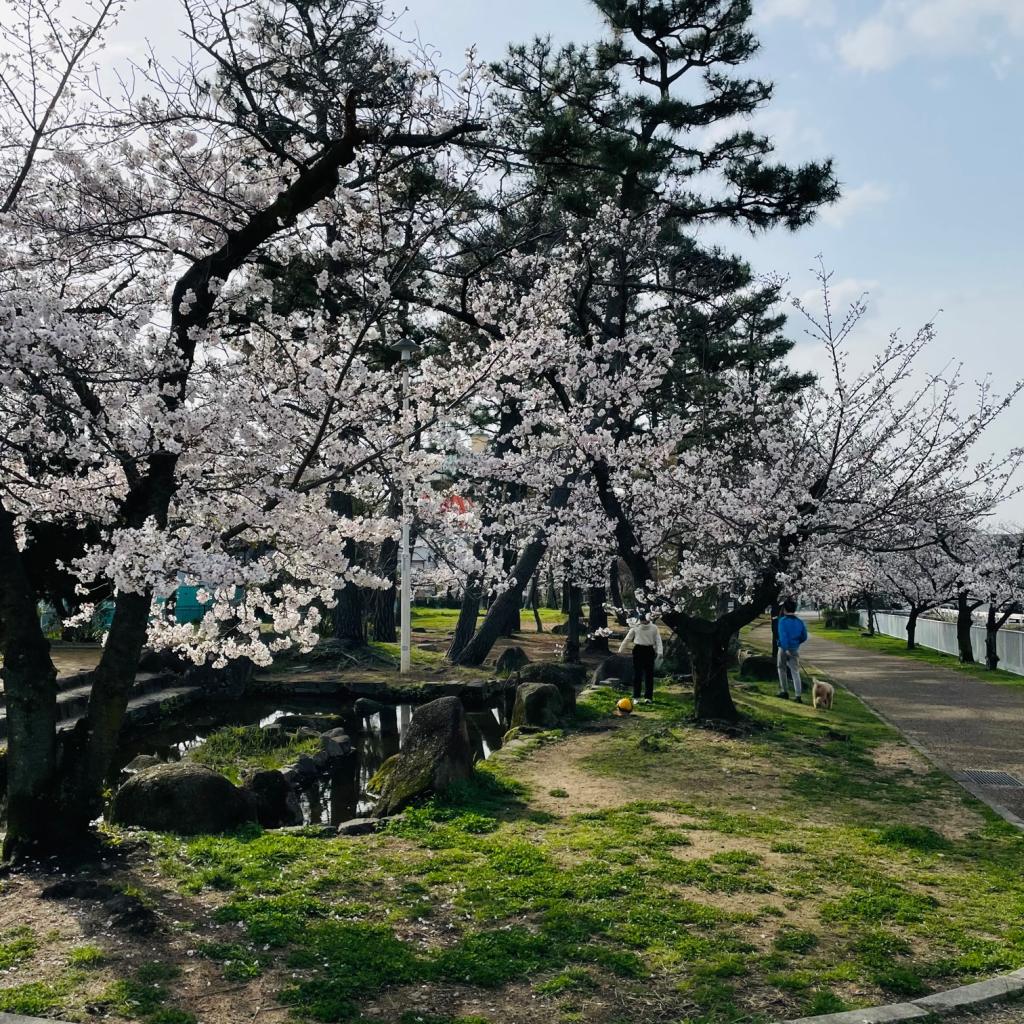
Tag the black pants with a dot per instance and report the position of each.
(643, 669)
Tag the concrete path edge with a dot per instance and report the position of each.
(938, 1004)
(932, 758)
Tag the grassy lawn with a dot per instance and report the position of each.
(633, 870)
(891, 645)
(444, 619)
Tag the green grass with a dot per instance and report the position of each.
(16, 947)
(32, 999)
(444, 619)
(787, 867)
(419, 658)
(87, 956)
(236, 749)
(892, 645)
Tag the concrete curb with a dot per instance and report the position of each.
(939, 1004)
(16, 1018)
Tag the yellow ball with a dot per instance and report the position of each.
(625, 706)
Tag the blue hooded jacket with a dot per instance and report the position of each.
(792, 632)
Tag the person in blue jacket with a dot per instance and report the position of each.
(792, 633)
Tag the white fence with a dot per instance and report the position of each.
(941, 636)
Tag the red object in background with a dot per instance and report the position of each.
(456, 503)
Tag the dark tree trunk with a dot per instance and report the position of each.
(869, 603)
(615, 593)
(912, 628)
(533, 604)
(468, 612)
(513, 615)
(347, 616)
(566, 597)
(991, 633)
(550, 594)
(491, 629)
(964, 622)
(385, 622)
(571, 654)
(347, 621)
(30, 692)
(597, 619)
(775, 613)
(91, 748)
(709, 656)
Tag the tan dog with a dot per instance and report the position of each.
(822, 694)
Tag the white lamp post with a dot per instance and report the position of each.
(406, 347)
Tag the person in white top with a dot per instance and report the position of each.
(647, 650)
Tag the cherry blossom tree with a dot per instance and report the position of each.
(738, 501)
(922, 579)
(164, 395)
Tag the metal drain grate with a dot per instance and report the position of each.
(990, 778)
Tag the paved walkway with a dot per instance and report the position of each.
(960, 722)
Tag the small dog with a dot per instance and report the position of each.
(822, 694)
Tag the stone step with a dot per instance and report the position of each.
(149, 690)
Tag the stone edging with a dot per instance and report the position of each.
(938, 1004)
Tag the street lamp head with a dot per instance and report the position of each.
(406, 348)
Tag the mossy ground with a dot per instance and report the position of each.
(235, 750)
(620, 871)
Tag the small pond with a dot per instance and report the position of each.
(340, 793)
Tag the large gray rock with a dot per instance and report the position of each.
(566, 677)
(277, 803)
(511, 660)
(336, 743)
(617, 667)
(758, 667)
(140, 762)
(435, 753)
(537, 704)
(182, 797)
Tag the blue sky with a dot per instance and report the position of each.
(919, 104)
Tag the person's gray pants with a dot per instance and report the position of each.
(789, 660)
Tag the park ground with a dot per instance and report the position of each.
(622, 871)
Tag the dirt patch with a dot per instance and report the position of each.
(557, 767)
(898, 757)
(62, 926)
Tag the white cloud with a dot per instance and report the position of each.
(853, 202)
(810, 12)
(872, 46)
(901, 29)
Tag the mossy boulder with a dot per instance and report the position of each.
(182, 797)
(537, 704)
(436, 752)
(619, 667)
(511, 660)
(758, 668)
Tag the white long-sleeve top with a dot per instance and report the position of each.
(643, 634)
